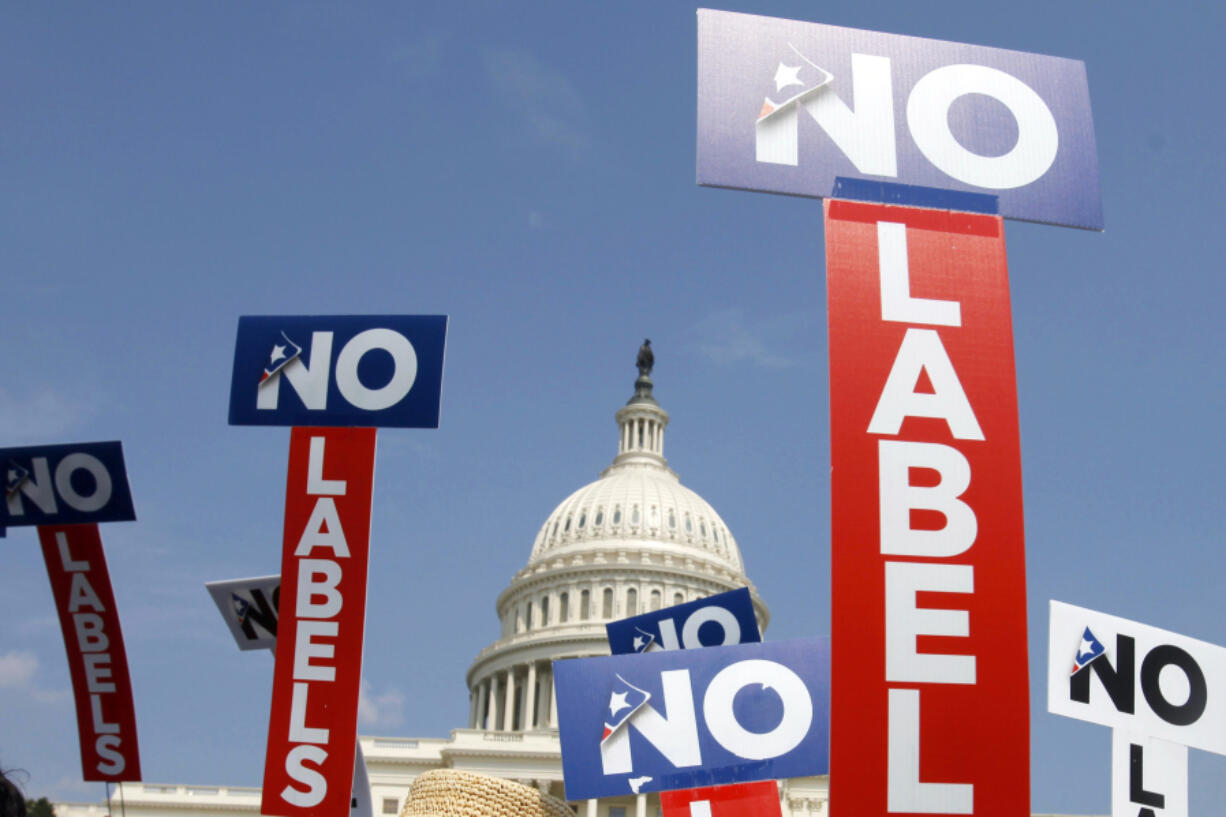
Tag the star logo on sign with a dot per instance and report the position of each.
(14, 476)
(1090, 649)
(643, 641)
(281, 355)
(786, 75)
(617, 702)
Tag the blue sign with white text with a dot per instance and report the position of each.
(683, 719)
(725, 618)
(72, 484)
(338, 370)
(787, 107)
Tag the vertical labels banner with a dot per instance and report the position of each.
(313, 723)
(930, 706)
(97, 661)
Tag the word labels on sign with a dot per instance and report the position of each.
(338, 370)
(97, 661)
(714, 621)
(249, 607)
(930, 691)
(760, 799)
(308, 768)
(679, 719)
(786, 106)
(73, 484)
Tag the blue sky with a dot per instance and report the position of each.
(528, 169)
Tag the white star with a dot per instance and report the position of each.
(786, 75)
(1087, 647)
(278, 352)
(617, 702)
(638, 639)
(636, 783)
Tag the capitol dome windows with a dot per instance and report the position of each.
(617, 515)
(563, 608)
(634, 516)
(655, 601)
(585, 605)
(582, 520)
(606, 604)
(672, 519)
(545, 611)
(599, 520)
(678, 598)
(632, 602)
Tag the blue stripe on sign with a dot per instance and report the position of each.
(913, 196)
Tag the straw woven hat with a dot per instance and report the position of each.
(452, 793)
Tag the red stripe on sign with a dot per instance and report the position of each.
(312, 728)
(929, 687)
(759, 799)
(918, 218)
(97, 661)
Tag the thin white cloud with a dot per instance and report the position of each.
(724, 338)
(17, 669)
(545, 101)
(421, 58)
(38, 416)
(383, 710)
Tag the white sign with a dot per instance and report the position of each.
(1150, 681)
(1147, 773)
(249, 607)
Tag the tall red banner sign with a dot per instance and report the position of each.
(312, 729)
(97, 661)
(929, 685)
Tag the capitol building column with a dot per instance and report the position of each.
(553, 703)
(508, 706)
(543, 715)
(491, 720)
(483, 691)
(530, 699)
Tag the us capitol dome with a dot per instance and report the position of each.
(632, 541)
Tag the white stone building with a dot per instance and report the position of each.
(634, 540)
